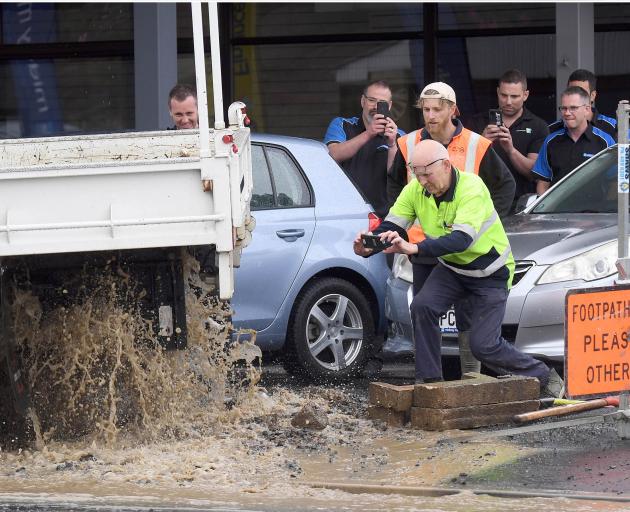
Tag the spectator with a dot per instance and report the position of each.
(365, 146)
(518, 140)
(182, 105)
(475, 262)
(572, 144)
(469, 152)
(586, 80)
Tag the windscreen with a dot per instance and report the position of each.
(591, 189)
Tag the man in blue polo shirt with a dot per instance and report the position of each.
(365, 146)
(586, 80)
(570, 145)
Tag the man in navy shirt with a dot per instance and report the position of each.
(572, 144)
(586, 80)
(518, 140)
(365, 146)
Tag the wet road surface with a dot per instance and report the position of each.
(352, 464)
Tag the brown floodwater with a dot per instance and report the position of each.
(116, 420)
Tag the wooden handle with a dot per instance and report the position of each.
(562, 410)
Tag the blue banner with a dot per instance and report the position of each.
(34, 80)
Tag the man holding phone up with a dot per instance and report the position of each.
(468, 152)
(365, 146)
(474, 263)
(516, 134)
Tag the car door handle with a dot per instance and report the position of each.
(290, 235)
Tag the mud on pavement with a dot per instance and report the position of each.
(183, 429)
(256, 458)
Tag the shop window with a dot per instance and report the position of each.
(464, 64)
(495, 16)
(298, 89)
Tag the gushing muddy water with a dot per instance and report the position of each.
(116, 420)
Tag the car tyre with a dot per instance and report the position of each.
(331, 330)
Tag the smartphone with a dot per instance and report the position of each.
(382, 107)
(374, 242)
(495, 117)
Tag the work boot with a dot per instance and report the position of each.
(467, 361)
(554, 387)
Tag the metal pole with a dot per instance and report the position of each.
(215, 52)
(623, 262)
(200, 74)
(622, 190)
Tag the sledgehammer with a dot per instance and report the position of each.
(567, 409)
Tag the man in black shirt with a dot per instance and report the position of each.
(365, 146)
(586, 80)
(518, 140)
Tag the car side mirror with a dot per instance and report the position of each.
(524, 201)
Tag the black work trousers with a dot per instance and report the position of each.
(442, 288)
(463, 308)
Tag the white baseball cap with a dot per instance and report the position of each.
(439, 91)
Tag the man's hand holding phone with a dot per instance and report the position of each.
(367, 243)
(379, 121)
(389, 128)
(495, 123)
(374, 242)
(382, 107)
(389, 242)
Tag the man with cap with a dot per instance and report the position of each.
(469, 152)
(475, 262)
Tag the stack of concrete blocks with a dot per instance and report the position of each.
(390, 403)
(475, 401)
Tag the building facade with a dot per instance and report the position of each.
(97, 67)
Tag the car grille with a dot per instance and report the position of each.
(521, 268)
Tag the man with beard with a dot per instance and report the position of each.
(365, 146)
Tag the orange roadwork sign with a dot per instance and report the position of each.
(597, 344)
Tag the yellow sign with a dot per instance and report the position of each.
(597, 348)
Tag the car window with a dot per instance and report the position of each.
(592, 189)
(262, 193)
(291, 188)
(278, 181)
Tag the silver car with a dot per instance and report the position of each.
(565, 239)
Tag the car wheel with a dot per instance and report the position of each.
(330, 330)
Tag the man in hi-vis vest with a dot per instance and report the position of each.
(469, 152)
(464, 232)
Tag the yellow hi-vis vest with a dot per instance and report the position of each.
(471, 211)
(465, 151)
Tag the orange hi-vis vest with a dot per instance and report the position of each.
(465, 151)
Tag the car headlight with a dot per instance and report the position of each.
(402, 268)
(588, 266)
